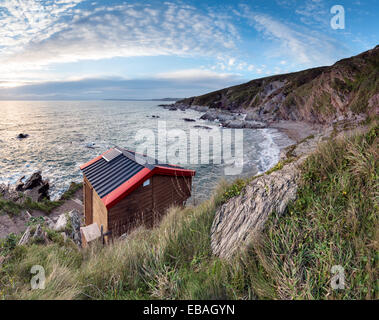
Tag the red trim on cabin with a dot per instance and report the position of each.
(134, 182)
(83, 166)
(174, 171)
(127, 187)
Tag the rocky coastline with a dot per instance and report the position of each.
(29, 200)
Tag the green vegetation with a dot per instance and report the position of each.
(10, 207)
(309, 94)
(333, 222)
(234, 189)
(13, 208)
(280, 165)
(74, 187)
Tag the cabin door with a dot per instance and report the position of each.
(88, 203)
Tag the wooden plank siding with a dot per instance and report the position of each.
(146, 205)
(87, 192)
(135, 209)
(94, 208)
(100, 212)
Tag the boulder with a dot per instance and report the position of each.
(254, 125)
(209, 115)
(70, 225)
(202, 127)
(243, 217)
(3, 189)
(189, 120)
(20, 184)
(34, 187)
(222, 117)
(241, 124)
(235, 124)
(25, 237)
(34, 181)
(61, 223)
(214, 115)
(22, 136)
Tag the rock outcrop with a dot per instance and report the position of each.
(69, 224)
(35, 188)
(22, 136)
(318, 95)
(245, 215)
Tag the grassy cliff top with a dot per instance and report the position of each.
(314, 95)
(334, 221)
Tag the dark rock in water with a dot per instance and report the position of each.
(234, 124)
(189, 120)
(241, 124)
(172, 108)
(20, 184)
(210, 116)
(254, 125)
(203, 127)
(154, 116)
(22, 136)
(165, 105)
(34, 180)
(216, 115)
(35, 187)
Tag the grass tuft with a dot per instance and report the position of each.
(333, 222)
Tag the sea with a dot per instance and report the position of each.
(66, 134)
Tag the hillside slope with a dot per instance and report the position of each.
(318, 95)
(333, 221)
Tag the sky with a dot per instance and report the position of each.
(114, 49)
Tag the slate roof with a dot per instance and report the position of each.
(113, 180)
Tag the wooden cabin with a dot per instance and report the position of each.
(121, 192)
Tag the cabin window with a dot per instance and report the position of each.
(146, 183)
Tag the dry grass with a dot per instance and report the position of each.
(333, 222)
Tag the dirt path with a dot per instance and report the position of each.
(17, 224)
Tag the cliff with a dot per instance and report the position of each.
(318, 95)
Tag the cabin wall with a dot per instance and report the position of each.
(147, 204)
(94, 209)
(132, 211)
(99, 212)
(169, 191)
(87, 201)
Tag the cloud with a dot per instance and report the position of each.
(303, 46)
(183, 83)
(35, 34)
(196, 75)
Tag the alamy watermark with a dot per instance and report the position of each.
(38, 280)
(198, 146)
(338, 279)
(338, 20)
